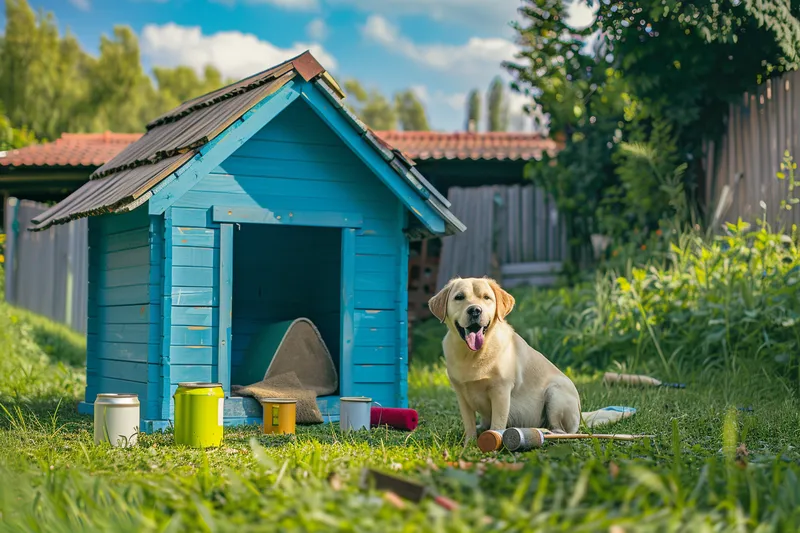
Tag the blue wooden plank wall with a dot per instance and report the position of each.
(296, 162)
(123, 308)
(282, 273)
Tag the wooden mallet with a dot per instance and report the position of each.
(518, 439)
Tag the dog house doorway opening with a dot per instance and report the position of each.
(280, 274)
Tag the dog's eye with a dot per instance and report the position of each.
(459, 296)
(487, 297)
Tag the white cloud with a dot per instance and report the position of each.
(83, 5)
(317, 30)
(486, 15)
(234, 53)
(289, 5)
(470, 60)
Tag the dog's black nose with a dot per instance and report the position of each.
(474, 311)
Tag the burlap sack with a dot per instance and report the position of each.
(285, 386)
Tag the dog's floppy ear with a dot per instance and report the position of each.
(505, 302)
(438, 304)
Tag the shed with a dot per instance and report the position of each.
(261, 202)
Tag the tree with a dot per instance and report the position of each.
(180, 84)
(12, 138)
(473, 110)
(496, 106)
(410, 111)
(658, 83)
(371, 107)
(43, 82)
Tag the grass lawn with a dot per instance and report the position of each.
(711, 468)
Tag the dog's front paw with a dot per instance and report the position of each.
(469, 439)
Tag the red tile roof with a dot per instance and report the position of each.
(423, 145)
(96, 149)
(71, 150)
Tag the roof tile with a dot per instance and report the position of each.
(97, 149)
(71, 150)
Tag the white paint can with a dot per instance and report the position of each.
(354, 413)
(116, 419)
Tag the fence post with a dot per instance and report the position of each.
(11, 247)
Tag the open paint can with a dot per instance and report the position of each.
(280, 415)
(199, 414)
(354, 413)
(116, 419)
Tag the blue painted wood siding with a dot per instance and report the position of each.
(123, 336)
(296, 162)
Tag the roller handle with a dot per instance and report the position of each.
(630, 379)
(567, 436)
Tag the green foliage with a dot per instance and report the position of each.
(10, 137)
(381, 114)
(496, 106)
(703, 306)
(370, 106)
(410, 111)
(661, 75)
(473, 110)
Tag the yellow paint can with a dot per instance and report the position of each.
(280, 415)
(199, 414)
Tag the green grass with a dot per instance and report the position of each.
(687, 479)
(719, 315)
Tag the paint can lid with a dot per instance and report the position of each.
(277, 400)
(199, 385)
(112, 398)
(355, 399)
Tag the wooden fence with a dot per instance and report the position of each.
(741, 169)
(514, 234)
(46, 271)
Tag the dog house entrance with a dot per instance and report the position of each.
(281, 274)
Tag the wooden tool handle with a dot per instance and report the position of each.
(630, 379)
(445, 502)
(568, 436)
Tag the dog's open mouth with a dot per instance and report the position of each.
(472, 335)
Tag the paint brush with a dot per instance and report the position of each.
(406, 489)
(519, 439)
(638, 379)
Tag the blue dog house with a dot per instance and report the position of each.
(260, 202)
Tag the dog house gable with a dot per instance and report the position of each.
(267, 196)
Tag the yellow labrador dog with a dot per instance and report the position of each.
(493, 370)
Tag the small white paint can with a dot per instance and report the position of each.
(354, 413)
(116, 419)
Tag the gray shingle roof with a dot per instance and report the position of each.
(174, 138)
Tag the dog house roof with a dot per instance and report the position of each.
(176, 137)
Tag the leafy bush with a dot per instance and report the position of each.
(730, 301)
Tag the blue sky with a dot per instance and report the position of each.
(440, 48)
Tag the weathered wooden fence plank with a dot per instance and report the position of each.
(46, 272)
(741, 167)
(507, 225)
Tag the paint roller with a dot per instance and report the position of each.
(519, 439)
(638, 379)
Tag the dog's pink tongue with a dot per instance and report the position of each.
(475, 340)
